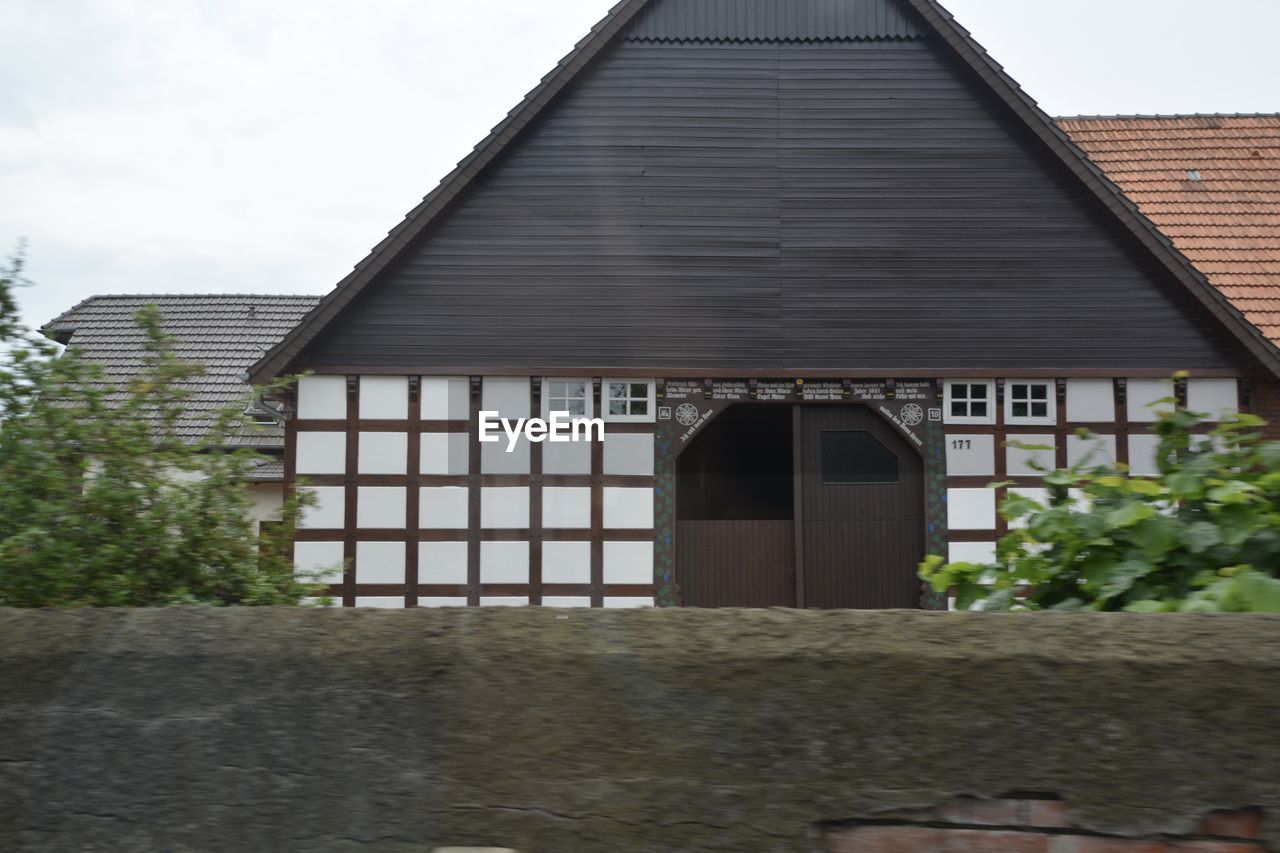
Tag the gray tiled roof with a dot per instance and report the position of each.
(225, 333)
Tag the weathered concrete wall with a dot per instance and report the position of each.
(673, 730)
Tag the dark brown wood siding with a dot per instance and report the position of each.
(775, 206)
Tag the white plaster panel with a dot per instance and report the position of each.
(971, 509)
(971, 552)
(383, 452)
(1142, 455)
(508, 396)
(504, 601)
(628, 453)
(329, 510)
(628, 562)
(971, 455)
(566, 457)
(566, 507)
(380, 562)
(566, 562)
(494, 458)
(1144, 392)
(618, 602)
(322, 398)
(1216, 397)
(1091, 400)
(445, 453)
(628, 508)
(1040, 496)
(325, 557)
(380, 507)
(384, 398)
(1018, 461)
(443, 508)
(445, 398)
(442, 602)
(504, 507)
(321, 452)
(442, 562)
(381, 602)
(1098, 451)
(565, 601)
(504, 562)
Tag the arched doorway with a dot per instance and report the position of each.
(813, 506)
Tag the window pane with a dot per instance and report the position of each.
(978, 392)
(576, 389)
(555, 389)
(617, 407)
(978, 409)
(959, 409)
(1019, 392)
(575, 407)
(617, 390)
(1040, 410)
(639, 407)
(640, 389)
(960, 392)
(856, 457)
(1040, 392)
(1019, 410)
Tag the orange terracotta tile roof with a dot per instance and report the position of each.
(1211, 183)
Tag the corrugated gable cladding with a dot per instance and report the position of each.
(1212, 185)
(769, 20)
(224, 333)
(774, 205)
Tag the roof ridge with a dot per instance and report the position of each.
(198, 296)
(1128, 116)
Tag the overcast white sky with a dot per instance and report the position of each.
(151, 146)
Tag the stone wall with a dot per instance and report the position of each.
(594, 730)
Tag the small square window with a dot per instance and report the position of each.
(970, 402)
(628, 400)
(567, 395)
(1028, 402)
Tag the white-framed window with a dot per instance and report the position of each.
(628, 400)
(970, 401)
(1030, 401)
(566, 395)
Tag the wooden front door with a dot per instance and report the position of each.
(860, 511)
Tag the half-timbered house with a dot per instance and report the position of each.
(817, 264)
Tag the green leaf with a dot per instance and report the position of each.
(1129, 514)
(1200, 536)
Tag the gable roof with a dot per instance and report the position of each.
(616, 21)
(225, 333)
(1212, 185)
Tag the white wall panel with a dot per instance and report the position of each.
(1144, 392)
(971, 552)
(628, 453)
(566, 457)
(380, 562)
(971, 509)
(494, 458)
(508, 396)
(504, 601)
(1018, 460)
(329, 510)
(628, 562)
(380, 507)
(504, 562)
(565, 601)
(445, 398)
(384, 398)
(504, 507)
(1040, 496)
(1216, 397)
(321, 453)
(1091, 400)
(628, 508)
(971, 455)
(423, 601)
(322, 398)
(446, 453)
(323, 557)
(383, 453)
(381, 602)
(566, 507)
(622, 602)
(1099, 450)
(442, 562)
(566, 562)
(1142, 455)
(443, 508)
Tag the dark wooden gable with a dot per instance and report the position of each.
(826, 189)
